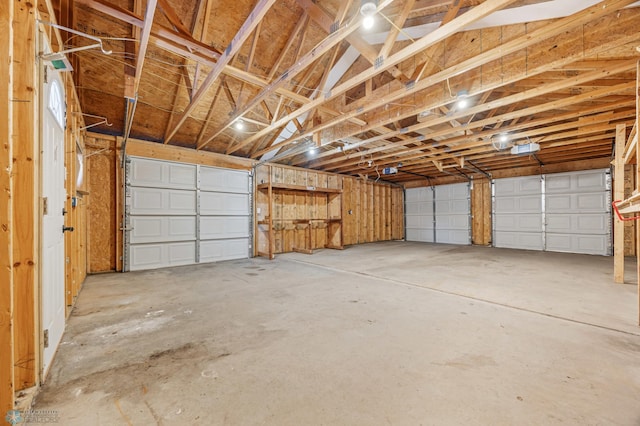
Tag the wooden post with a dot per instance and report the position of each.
(6, 225)
(638, 183)
(618, 194)
(25, 194)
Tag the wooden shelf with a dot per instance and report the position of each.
(288, 187)
(306, 229)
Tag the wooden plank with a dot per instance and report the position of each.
(25, 195)
(618, 194)
(159, 151)
(310, 188)
(118, 173)
(6, 215)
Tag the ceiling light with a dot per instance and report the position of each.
(239, 125)
(312, 150)
(367, 22)
(368, 9)
(463, 99)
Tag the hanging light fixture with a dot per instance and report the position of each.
(368, 9)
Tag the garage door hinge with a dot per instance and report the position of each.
(46, 338)
(45, 205)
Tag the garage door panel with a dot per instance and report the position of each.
(159, 201)
(516, 204)
(419, 194)
(218, 250)
(149, 229)
(420, 235)
(518, 186)
(577, 203)
(419, 209)
(221, 227)
(596, 224)
(519, 240)
(159, 255)
(423, 222)
(571, 243)
(459, 191)
(223, 180)
(460, 222)
(158, 174)
(577, 182)
(452, 236)
(212, 203)
(515, 223)
(452, 207)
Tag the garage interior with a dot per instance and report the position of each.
(319, 212)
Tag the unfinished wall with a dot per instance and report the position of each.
(481, 212)
(102, 166)
(369, 211)
(21, 210)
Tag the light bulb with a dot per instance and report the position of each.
(367, 22)
(239, 125)
(312, 151)
(463, 103)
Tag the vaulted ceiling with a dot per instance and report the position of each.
(302, 82)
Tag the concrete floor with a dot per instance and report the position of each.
(388, 333)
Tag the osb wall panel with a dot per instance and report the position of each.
(481, 212)
(101, 206)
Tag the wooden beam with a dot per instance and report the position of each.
(245, 31)
(7, 390)
(395, 28)
(160, 151)
(607, 7)
(300, 65)
(439, 34)
(132, 18)
(25, 195)
(144, 44)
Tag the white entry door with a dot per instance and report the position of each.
(54, 195)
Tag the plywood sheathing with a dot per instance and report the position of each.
(101, 205)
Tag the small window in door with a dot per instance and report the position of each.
(56, 106)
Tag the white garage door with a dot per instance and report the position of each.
(453, 212)
(565, 212)
(181, 214)
(517, 213)
(578, 215)
(419, 214)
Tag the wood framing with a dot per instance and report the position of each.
(6, 211)
(25, 192)
(618, 194)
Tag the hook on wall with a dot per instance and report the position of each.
(60, 56)
(103, 120)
